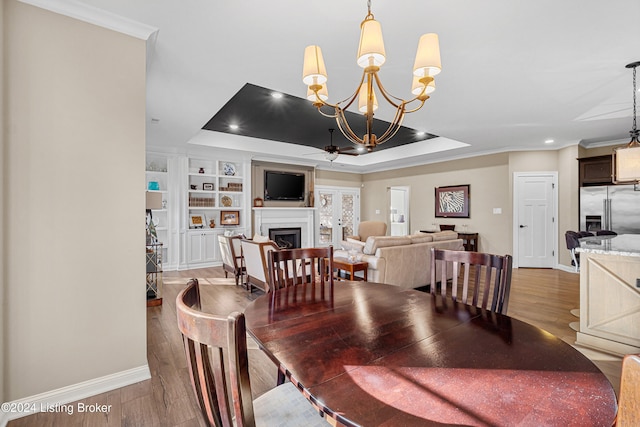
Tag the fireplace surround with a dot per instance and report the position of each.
(265, 219)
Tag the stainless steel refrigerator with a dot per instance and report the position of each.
(610, 207)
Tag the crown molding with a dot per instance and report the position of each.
(93, 15)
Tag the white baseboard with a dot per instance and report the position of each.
(65, 395)
(567, 268)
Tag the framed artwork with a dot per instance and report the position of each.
(229, 217)
(196, 221)
(207, 186)
(452, 201)
(258, 202)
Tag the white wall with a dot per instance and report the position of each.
(75, 305)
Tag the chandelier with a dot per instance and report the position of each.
(371, 56)
(626, 159)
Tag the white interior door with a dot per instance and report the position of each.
(338, 214)
(535, 210)
(399, 210)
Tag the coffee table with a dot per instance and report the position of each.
(350, 267)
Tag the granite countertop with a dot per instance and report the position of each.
(624, 245)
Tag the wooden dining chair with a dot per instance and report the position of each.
(292, 267)
(216, 351)
(480, 276)
(629, 400)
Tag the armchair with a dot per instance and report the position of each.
(232, 261)
(256, 262)
(370, 228)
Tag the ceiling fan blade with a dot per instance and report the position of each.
(342, 153)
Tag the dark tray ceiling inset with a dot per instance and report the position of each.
(293, 120)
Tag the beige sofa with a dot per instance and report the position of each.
(400, 260)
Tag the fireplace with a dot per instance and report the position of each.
(265, 219)
(286, 238)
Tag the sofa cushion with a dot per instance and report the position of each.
(352, 244)
(375, 242)
(444, 235)
(420, 238)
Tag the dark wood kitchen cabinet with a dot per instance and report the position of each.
(595, 170)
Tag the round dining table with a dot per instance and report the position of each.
(368, 354)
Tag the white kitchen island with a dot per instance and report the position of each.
(610, 293)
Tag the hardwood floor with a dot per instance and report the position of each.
(538, 296)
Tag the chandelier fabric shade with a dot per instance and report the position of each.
(417, 86)
(363, 98)
(427, 61)
(314, 71)
(627, 164)
(371, 56)
(626, 159)
(322, 93)
(371, 46)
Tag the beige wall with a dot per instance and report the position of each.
(488, 189)
(257, 182)
(3, 191)
(568, 197)
(337, 179)
(75, 306)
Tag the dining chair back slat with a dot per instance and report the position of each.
(293, 267)
(484, 279)
(205, 336)
(218, 365)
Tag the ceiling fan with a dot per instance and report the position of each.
(332, 151)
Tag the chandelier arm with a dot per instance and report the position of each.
(331, 116)
(419, 97)
(354, 96)
(391, 135)
(394, 126)
(386, 95)
(422, 101)
(344, 127)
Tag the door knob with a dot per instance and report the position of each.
(522, 226)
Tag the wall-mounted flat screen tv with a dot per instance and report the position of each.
(283, 185)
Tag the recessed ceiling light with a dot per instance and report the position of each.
(276, 95)
(234, 127)
(360, 149)
(549, 141)
(420, 133)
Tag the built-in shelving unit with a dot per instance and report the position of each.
(215, 204)
(198, 190)
(158, 181)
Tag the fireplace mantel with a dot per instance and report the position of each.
(278, 217)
